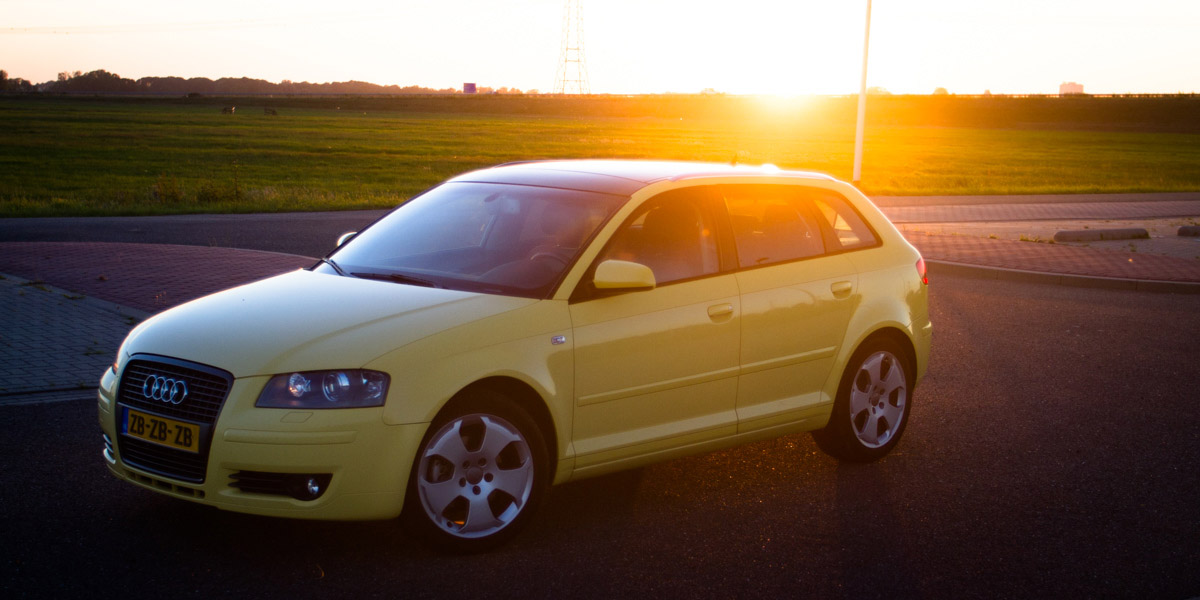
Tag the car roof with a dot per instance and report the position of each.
(619, 176)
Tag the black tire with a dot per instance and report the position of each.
(480, 472)
(873, 403)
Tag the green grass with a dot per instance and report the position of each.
(105, 157)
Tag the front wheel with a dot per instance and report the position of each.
(479, 474)
(872, 405)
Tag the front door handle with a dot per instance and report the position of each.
(720, 311)
(841, 289)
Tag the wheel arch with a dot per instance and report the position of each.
(839, 437)
(526, 398)
(896, 334)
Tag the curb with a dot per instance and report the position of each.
(1097, 235)
(941, 267)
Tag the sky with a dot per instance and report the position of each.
(785, 47)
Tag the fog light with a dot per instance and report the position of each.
(308, 487)
(304, 487)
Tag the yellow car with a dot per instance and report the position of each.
(527, 325)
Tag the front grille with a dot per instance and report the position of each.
(207, 388)
(180, 464)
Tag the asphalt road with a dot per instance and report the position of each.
(306, 234)
(1052, 452)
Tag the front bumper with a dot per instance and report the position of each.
(369, 460)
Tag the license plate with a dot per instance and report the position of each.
(162, 431)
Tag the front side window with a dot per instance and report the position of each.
(493, 238)
(672, 235)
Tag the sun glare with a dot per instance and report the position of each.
(777, 105)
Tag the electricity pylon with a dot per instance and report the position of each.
(572, 69)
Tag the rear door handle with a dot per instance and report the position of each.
(841, 289)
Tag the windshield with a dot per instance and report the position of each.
(484, 237)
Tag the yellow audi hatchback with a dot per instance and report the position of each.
(527, 325)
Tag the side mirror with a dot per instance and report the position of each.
(345, 237)
(623, 275)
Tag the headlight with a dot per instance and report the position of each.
(325, 389)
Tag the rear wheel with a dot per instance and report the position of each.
(872, 405)
(479, 474)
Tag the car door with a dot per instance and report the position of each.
(657, 369)
(798, 293)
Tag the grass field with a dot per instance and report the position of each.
(110, 156)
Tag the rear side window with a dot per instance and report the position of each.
(848, 231)
(772, 224)
(779, 223)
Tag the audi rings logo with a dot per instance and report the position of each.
(165, 389)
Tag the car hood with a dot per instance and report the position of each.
(303, 321)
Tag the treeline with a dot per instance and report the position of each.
(103, 82)
(14, 85)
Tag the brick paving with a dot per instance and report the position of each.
(888, 201)
(1042, 212)
(54, 340)
(1055, 258)
(149, 277)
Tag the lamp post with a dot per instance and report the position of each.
(862, 102)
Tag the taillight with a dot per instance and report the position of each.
(921, 272)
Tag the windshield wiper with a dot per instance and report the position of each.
(397, 278)
(335, 266)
